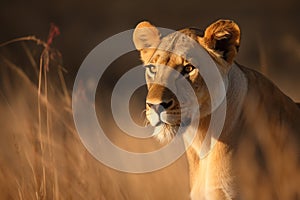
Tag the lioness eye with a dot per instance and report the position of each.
(188, 68)
(152, 69)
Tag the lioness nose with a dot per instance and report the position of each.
(159, 107)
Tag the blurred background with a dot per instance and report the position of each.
(41, 156)
(270, 31)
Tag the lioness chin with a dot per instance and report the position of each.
(260, 139)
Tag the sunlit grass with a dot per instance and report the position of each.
(41, 155)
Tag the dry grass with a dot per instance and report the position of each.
(41, 155)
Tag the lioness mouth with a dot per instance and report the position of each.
(168, 118)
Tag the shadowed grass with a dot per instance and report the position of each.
(41, 155)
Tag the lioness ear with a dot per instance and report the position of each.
(223, 37)
(146, 38)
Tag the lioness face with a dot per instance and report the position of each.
(166, 71)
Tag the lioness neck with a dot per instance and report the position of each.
(201, 169)
(236, 89)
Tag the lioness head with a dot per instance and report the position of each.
(163, 67)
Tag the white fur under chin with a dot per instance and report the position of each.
(170, 124)
(164, 132)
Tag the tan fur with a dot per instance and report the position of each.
(259, 118)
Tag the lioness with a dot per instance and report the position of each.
(257, 153)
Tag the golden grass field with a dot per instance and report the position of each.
(41, 155)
